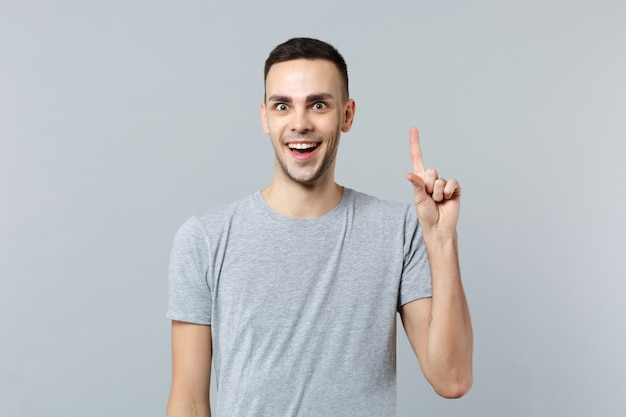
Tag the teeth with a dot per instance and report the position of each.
(302, 145)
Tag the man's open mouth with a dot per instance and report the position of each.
(302, 147)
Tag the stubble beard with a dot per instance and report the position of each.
(315, 178)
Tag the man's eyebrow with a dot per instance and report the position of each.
(319, 97)
(281, 99)
(309, 99)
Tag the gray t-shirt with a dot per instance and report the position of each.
(302, 312)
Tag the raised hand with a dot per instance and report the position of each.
(437, 200)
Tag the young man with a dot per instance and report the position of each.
(293, 291)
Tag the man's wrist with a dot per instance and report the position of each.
(440, 236)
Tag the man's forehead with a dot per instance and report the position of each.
(303, 73)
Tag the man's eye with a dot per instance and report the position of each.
(281, 107)
(319, 106)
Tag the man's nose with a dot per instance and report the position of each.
(301, 122)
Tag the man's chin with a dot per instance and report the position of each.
(305, 179)
(306, 176)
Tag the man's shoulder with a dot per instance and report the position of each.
(227, 210)
(370, 203)
(222, 214)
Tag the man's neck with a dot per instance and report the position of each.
(302, 202)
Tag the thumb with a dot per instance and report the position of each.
(421, 196)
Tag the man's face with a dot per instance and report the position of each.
(304, 113)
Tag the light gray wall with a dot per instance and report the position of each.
(120, 119)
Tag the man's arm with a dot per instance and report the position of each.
(439, 328)
(191, 370)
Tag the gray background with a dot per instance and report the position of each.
(119, 119)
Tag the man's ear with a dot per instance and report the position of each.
(264, 119)
(348, 116)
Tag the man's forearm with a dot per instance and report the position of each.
(450, 339)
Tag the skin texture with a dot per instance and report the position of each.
(304, 104)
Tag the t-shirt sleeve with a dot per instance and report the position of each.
(416, 280)
(189, 291)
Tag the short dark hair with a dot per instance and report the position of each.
(308, 48)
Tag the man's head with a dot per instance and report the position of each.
(307, 48)
(305, 109)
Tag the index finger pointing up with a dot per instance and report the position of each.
(416, 152)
